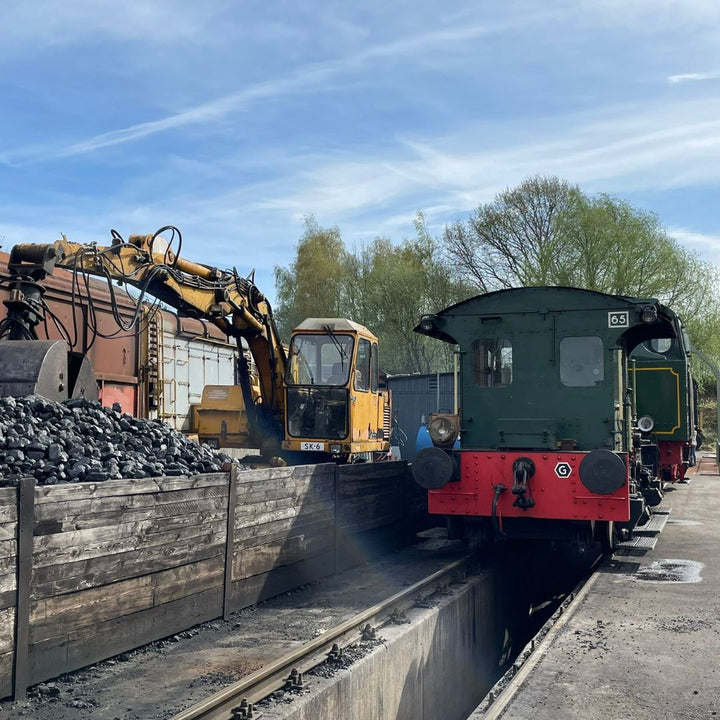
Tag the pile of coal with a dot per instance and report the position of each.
(81, 441)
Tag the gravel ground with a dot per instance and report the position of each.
(165, 677)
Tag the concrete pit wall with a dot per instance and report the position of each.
(438, 667)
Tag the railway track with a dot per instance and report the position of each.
(238, 700)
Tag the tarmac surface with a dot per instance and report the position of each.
(642, 640)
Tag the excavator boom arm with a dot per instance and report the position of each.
(232, 303)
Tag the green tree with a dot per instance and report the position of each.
(513, 240)
(389, 286)
(610, 246)
(547, 232)
(382, 285)
(313, 284)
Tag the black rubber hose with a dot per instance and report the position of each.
(499, 488)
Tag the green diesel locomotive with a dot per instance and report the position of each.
(548, 443)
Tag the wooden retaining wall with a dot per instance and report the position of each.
(90, 570)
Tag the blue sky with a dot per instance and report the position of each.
(233, 120)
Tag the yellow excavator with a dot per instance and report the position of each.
(318, 400)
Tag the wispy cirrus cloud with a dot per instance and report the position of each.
(693, 77)
(629, 149)
(308, 78)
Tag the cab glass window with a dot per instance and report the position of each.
(319, 360)
(374, 369)
(362, 371)
(659, 345)
(581, 361)
(492, 362)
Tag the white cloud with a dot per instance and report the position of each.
(46, 23)
(308, 78)
(693, 77)
(629, 149)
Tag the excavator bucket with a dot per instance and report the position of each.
(46, 368)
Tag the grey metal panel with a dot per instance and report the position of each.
(414, 397)
(189, 364)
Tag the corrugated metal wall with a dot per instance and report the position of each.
(414, 398)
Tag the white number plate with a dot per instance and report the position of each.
(316, 446)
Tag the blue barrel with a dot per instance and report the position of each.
(423, 440)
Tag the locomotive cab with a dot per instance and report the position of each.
(545, 412)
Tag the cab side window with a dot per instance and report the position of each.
(581, 361)
(492, 362)
(374, 369)
(362, 371)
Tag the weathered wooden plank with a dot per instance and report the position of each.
(56, 616)
(263, 558)
(187, 580)
(8, 531)
(7, 630)
(60, 615)
(260, 494)
(371, 495)
(70, 577)
(292, 484)
(8, 565)
(247, 508)
(370, 505)
(113, 503)
(291, 480)
(8, 500)
(90, 644)
(8, 599)
(286, 476)
(8, 582)
(277, 531)
(109, 488)
(249, 591)
(8, 512)
(66, 517)
(354, 487)
(246, 513)
(6, 674)
(372, 470)
(83, 544)
(8, 549)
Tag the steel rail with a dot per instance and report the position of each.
(273, 676)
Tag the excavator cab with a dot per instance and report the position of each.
(334, 401)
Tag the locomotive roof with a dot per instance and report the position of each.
(556, 298)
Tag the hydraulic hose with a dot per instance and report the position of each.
(499, 488)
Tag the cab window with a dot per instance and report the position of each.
(581, 361)
(374, 369)
(362, 370)
(316, 359)
(492, 362)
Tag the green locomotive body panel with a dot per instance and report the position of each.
(545, 368)
(663, 389)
